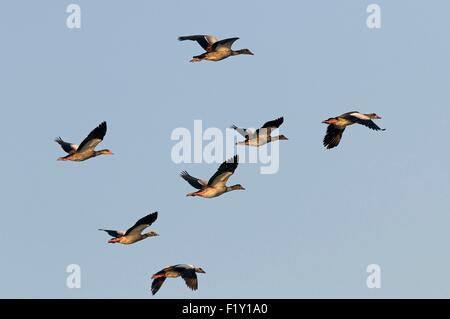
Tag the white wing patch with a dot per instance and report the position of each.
(360, 116)
(211, 39)
(221, 179)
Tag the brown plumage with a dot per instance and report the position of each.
(86, 149)
(216, 184)
(187, 272)
(262, 135)
(337, 125)
(215, 50)
(134, 233)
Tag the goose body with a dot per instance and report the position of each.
(216, 185)
(134, 233)
(86, 149)
(214, 50)
(185, 271)
(262, 135)
(337, 125)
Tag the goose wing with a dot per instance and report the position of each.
(142, 224)
(333, 136)
(274, 124)
(205, 41)
(94, 138)
(269, 126)
(370, 124)
(114, 233)
(67, 147)
(224, 44)
(363, 119)
(193, 181)
(157, 283)
(245, 132)
(226, 169)
(190, 277)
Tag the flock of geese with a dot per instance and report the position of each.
(216, 185)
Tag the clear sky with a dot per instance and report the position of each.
(310, 230)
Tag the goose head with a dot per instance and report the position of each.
(151, 234)
(104, 152)
(243, 51)
(200, 270)
(237, 187)
(374, 116)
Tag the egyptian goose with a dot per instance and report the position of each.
(216, 184)
(337, 125)
(187, 272)
(133, 234)
(215, 50)
(86, 149)
(262, 135)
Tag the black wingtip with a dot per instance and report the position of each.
(234, 159)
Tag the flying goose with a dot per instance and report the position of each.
(86, 149)
(216, 184)
(337, 125)
(215, 50)
(262, 135)
(133, 234)
(187, 272)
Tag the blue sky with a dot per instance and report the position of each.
(308, 231)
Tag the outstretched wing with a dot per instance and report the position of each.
(268, 127)
(223, 44)
(114, 233)
(190, 277)
(193, 181)
(363, 119)
(226, 169)
(205, 41)
(333, 136)
(67, 147)
(247, 133)
(368, 123)
(157, 283)
(94, 138)
(142, 224)
(275, 123)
